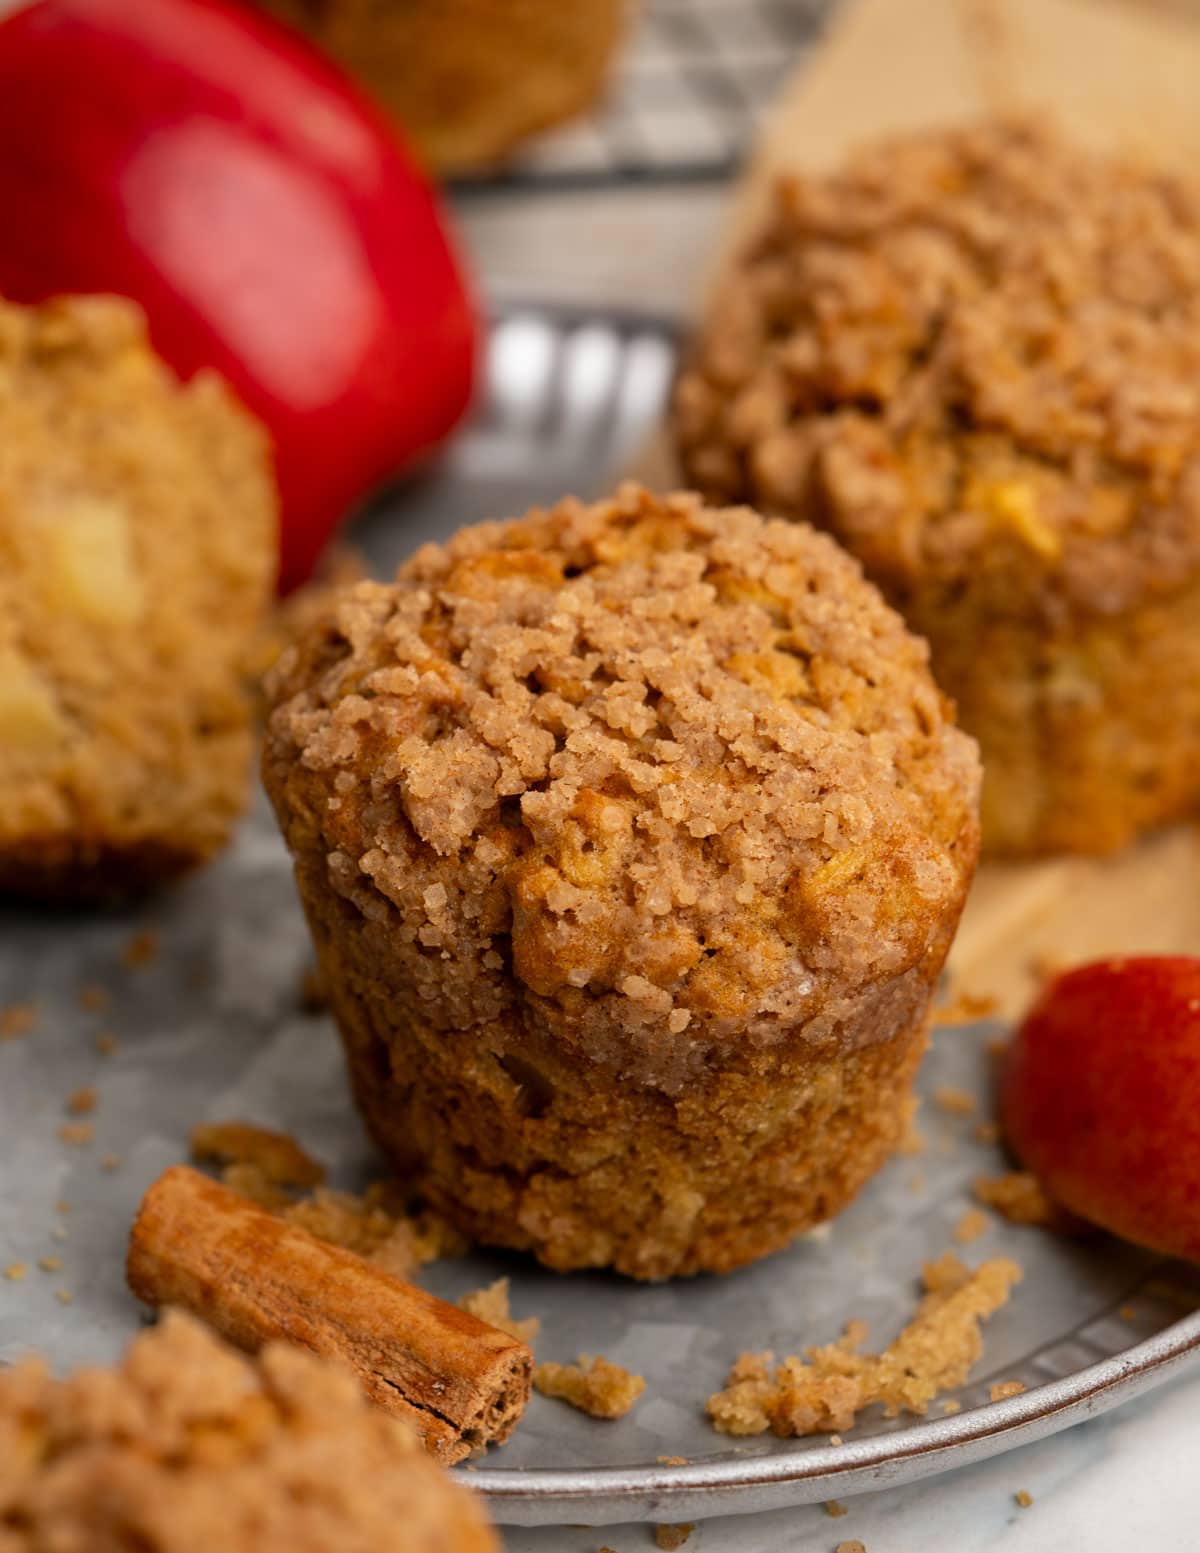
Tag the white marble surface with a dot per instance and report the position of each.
(1124, 1482)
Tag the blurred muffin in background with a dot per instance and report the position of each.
(138, 553)
(468, 80)
(974, 357)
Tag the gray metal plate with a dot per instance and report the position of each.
(212, 1028)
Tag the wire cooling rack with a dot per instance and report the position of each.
(691, 85)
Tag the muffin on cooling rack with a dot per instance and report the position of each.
(974, 356)
(632, 838)
(138, 551)
(187, 1447)
(469, 80)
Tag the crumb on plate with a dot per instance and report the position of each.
(491, 1305)
(594, 1386)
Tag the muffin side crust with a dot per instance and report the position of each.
(974, 356)
(632, 838)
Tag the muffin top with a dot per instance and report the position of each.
(650, 770)
(973, 355)
(187, 1447)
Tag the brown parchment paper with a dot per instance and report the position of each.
(1114, 73)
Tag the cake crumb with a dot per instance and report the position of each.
(673, 1461)
(1023, 1497)
(835, 1508)
(954, 1101)
(853, 1546)
(1020, 1198)
(383, 1225)
(77, 1133)
(50, 1264)
(951, 1406)
(62, 1206)
(594, 1386)
(491, 1305)
(94, 998)
(973, 1223)
(830, 1385)
(110, 1162)
(670, 1537)
(140, 950)
(987, 1132)
(965, 1008)
(82, 1102)
(277, 1155)
(17, 1019)
(836, 1439)
(107, 1044)
(15, 1272)
(1001, 1390)
(64, 1296)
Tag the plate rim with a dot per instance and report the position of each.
(699, 1490)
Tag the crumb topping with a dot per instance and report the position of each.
(1020, 1198)
(491, 1305)
(645, 765)
(187, 1446)
(594, 1386)
(975, 356)
(827, 1388)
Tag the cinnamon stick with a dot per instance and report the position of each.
(255, 1278)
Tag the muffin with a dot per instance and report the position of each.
(974, 356)
(632, 838)
(138, 550)
(468, 80)
(187, 1447)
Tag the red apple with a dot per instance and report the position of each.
(198, 157)
(1100, 1098)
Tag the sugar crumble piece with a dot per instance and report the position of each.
(77, 1133)
(107, 1044)
(64, 1296)
(830, 1385)
(954, 1101)
(15, 1272)
(673, 1461)
(1020, 1198)
(50, 1264)
(986, 1132)
(970, 1226)
(277, 1155)
(836, 1439)
(17, 1019)
(671, 1537)
(965, 1008)
(594, 1386)
(1023, 1497)
(94, 997)
(82, 1102)
(140, 950)
(491, 1305)
(950, 1405)
(1003, 1389)
(853, 1546)
(383, 1225)
(835, 1508)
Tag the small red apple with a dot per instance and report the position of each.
(1100, 1098)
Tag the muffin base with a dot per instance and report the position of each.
(1090, 733)
(550, 1153)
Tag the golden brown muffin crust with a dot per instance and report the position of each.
(975, 356)
(663, 775)
(187, 1447)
